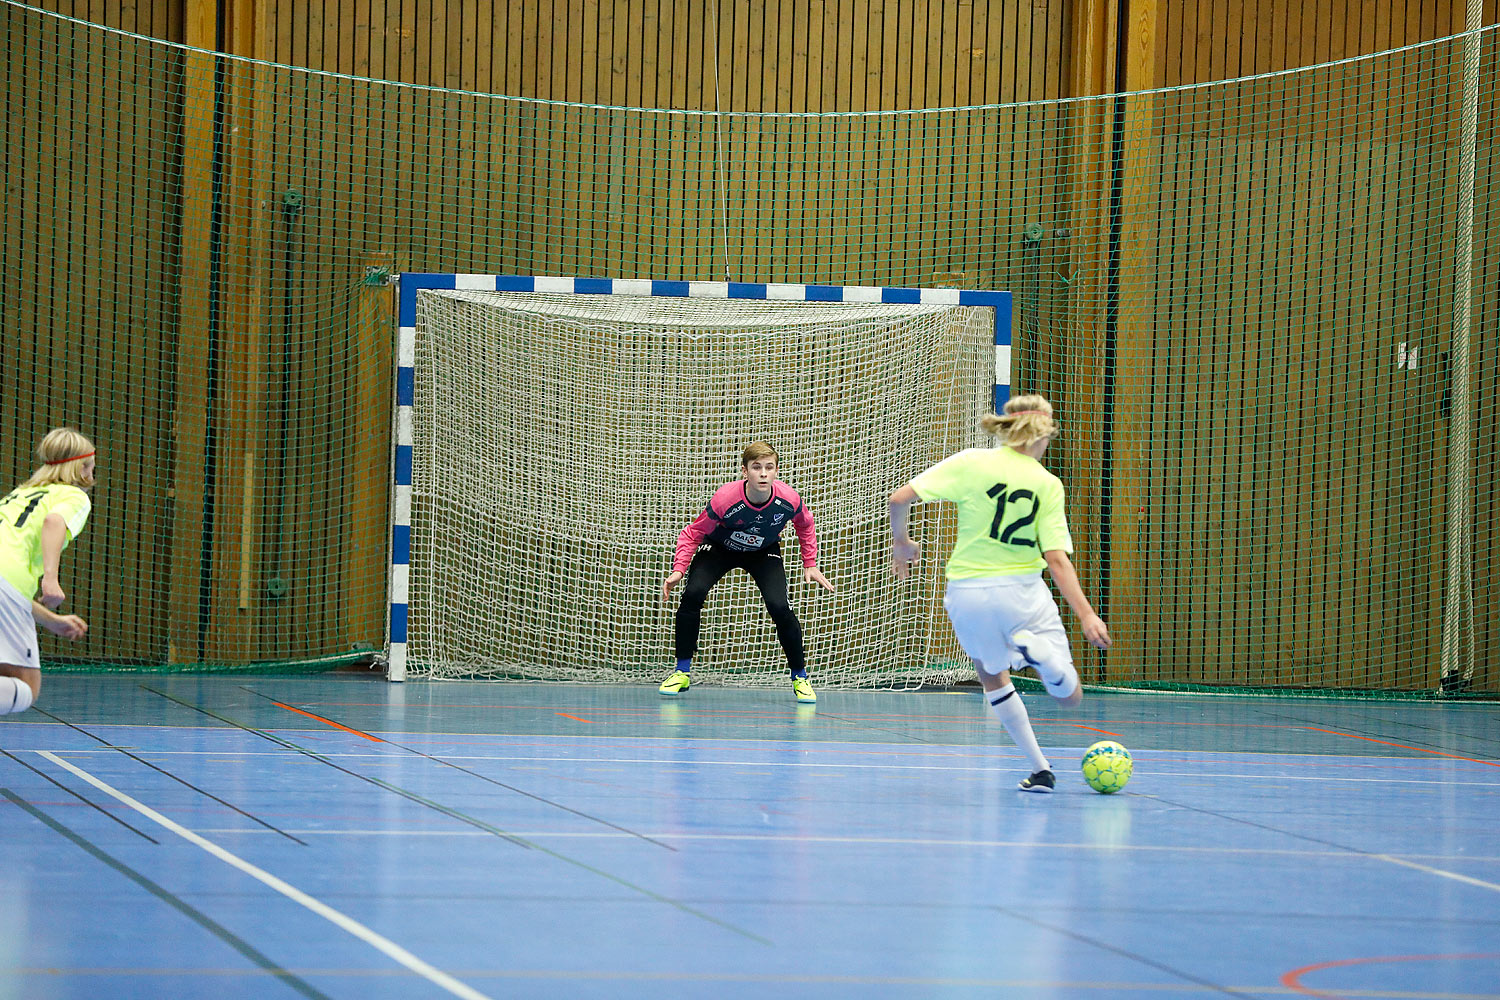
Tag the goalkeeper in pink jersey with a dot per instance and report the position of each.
(741, 527)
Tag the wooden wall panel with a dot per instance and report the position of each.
(1206, 40)
(770, 55)
(1356, 194)
(877, 53)
(89, 303)
(1277, 368)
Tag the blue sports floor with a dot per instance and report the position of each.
(343, 837)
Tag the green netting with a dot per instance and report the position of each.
(1263, 308)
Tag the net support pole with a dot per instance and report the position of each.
(406, 336)
(1002, 354)
(407, 287)
(1458, 603)
(401, 437)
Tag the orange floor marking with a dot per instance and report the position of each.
(575, 718)
(1403, 746)
(329, 722)
(1106, 732)
(1293, 979)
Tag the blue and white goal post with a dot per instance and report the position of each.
(411, 285)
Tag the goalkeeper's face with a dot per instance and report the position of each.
(760, 473)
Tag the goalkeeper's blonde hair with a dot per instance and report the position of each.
(1026, 419)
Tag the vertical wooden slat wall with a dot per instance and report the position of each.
(734, 55)
(449, 181)
(1302, 372)
(92, 307)
(194, 378)
(1206, 40)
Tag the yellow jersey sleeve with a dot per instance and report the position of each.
(74, 508)
(945, 481)
(22, 514)
(1052, 521)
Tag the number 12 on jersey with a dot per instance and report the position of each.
(1006, 535)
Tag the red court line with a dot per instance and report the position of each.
(1403, 746)
(329, 722)
(575, 718)
(1293, 979)
(1091, 729)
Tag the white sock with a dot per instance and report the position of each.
(15, 695)
(1006, 705)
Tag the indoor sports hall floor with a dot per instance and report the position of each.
(344, 837)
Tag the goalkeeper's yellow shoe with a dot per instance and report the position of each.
(802, 688)
(676, 684)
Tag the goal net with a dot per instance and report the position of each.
(561, 441)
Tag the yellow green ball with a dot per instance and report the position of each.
(1107, 766)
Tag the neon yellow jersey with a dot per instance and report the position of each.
(1010, 511)
(21, 515)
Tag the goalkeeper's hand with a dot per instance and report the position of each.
(811, 574)
(668, 584)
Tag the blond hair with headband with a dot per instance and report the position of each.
(1026, 419)
(62, 452)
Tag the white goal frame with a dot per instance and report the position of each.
(410, 285)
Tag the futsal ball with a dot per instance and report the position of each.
(1107, 766)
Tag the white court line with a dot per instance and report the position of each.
(1467, 880)
(986, 767)
(987, 762)
(1347, 854)
(458, 988)
(359, 930)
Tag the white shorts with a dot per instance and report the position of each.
(18, 646)
(987, 613)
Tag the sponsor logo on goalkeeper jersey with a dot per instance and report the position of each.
(746, 540)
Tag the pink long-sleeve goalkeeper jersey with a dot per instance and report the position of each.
(732, 521)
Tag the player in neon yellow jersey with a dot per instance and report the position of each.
(37, 520)
(1011, 526)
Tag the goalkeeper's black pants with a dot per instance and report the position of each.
(769, 573)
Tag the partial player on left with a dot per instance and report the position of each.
(37, 521)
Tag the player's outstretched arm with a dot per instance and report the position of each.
(1066, 577)
(66, 626)
(807, 543)
(54, 534)
(904, 551)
